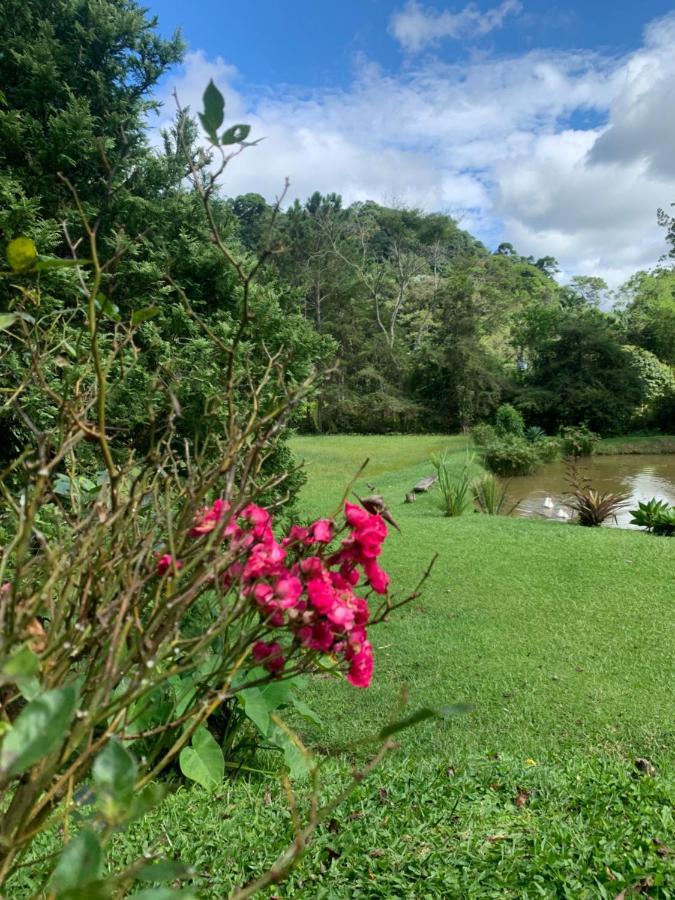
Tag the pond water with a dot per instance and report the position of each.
(642, 477)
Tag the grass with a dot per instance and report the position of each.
(560, 637)
(637, 444)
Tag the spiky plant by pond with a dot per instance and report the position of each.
(490, 495)
(592, 507)
(456, 494)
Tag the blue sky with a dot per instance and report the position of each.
(550, 126)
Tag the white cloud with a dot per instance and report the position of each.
(642, 118)
(489, 142)
(417, 27)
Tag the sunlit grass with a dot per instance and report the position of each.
(561, 638)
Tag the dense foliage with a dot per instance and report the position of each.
(434, 332)
(76, 92)
(427, 329)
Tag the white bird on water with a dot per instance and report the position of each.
(548, 503)
(562, 513)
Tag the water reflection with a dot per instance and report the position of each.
(642, 477)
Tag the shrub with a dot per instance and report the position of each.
(483, 434)
(657, 516)
(657, 381)
(534, 434)
(511, 456)
(578, 440)
(509, 421)
(548, 449)
(456, 496)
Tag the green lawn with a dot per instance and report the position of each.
(562, 640)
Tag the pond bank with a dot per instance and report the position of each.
(631, 445)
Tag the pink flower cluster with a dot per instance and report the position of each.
(301, 585)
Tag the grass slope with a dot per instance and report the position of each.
(562, 640)
(559, 635)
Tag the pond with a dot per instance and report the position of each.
(642, 477)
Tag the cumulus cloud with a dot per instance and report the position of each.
(642, 118)
(490, 142)
(416, 27)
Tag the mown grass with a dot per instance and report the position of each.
(562, 640)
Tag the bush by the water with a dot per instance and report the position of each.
(548, 448)
(578, 441)
(508, 420)
(511, 456)
(483, 434)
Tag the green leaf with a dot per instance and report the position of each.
(422, 715)
(21, 254)
(278, 693)
(38, 729)
(21, 664)
(54, 263)
(163, 870)
(214, 111)
(93, 890)
(306, 711)
(149, 798)
(203, 762)
(7, 320)
(256, 708)
(106, 307)
(184, 699)
(80, 864)
(115, 773)
(29, 688)
(62, 485)
(297, 760)
(22, 668)
(142, 315)
(235, 135)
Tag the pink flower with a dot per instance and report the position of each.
(207, 519)
(361, 668)
(166, 562)
(259, 518)
(297, 535)
(361, 612)
(269, 655)
(312, 566)
(264, 560)
(287, 590)
(349, 573)
(341, 615)
(321, 595)
(371, 536)
(378, 578)
(321, 531)
(356, 516)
